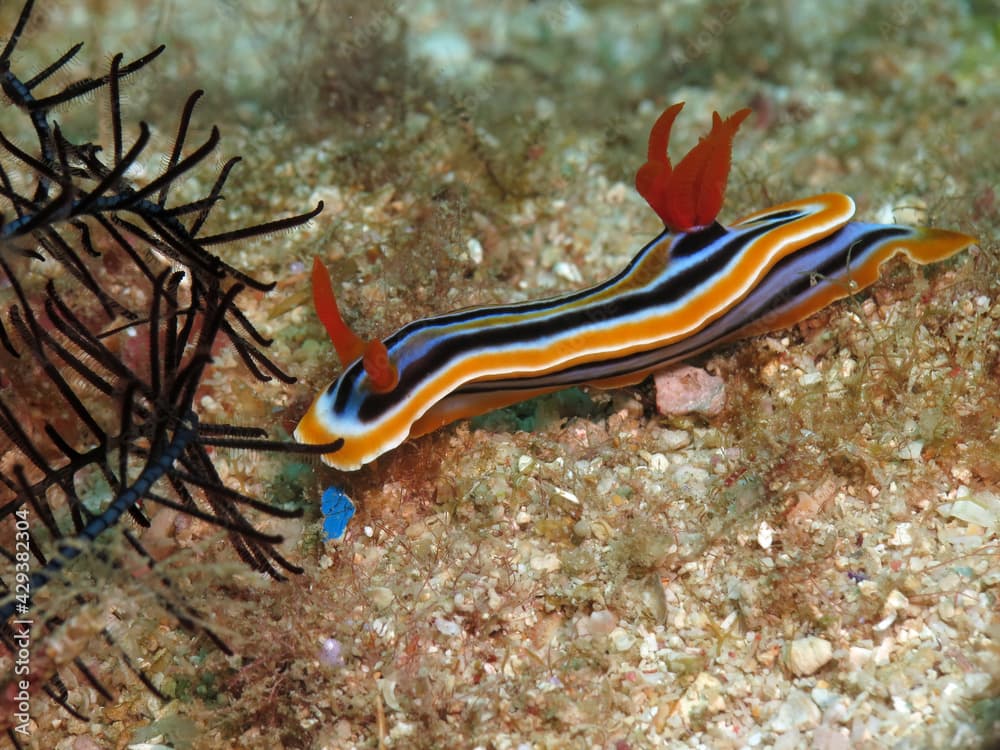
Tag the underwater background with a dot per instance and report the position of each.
(815, 564)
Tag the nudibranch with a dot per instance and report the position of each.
(697, 285)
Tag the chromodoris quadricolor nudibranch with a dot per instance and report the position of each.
(695, 286)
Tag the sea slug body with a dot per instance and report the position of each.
(697, 285)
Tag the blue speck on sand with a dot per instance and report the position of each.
(337, 512)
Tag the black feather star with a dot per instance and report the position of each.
(75, 411)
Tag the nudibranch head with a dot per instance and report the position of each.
(689, 196)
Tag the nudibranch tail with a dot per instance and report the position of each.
(836, 267)
(689, 196)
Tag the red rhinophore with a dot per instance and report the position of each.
(349, 346)
(347, 343)
(689, 196)
(381, 371)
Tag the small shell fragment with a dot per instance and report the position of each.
(447, 627)
(381, 596)
(981, 509)
(601, 622)
(685, 390)
(705, 696)
(911, 451)
(474, 250)
(548, 562)
(765, 535)
(806, 656)
(902, 535)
